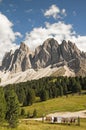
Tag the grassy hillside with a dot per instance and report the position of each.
(70, 103)
(35, 125)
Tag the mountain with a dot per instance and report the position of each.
(49, 59)
(46, 55)
(17, 61)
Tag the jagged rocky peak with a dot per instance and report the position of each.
(46, 54)
(24, 47)
(50, 46)
(68, 44)
(50, 42)
(37, 50)
(64, 46)
(64, 42)
(69, 50)
(21, 60)
(50, 53)
(73, 45)
(74, 48)
(18, 60)
(47, 44)
(7, 60)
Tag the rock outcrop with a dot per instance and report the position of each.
(17, 61)
(46, 55)
(50, 53)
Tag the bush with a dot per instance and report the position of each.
(35, 113)
(44, 95)
(22, 112)
(30, 98)
(28, 115)
(13, 108)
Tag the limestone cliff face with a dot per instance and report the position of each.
(69, 50)
(50, 53)
(17, 61)
(7, 61)
(71, 54)
(46, 54)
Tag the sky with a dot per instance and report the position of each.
(33, 21)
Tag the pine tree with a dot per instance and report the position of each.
(35, 113)
(2, 105)
(44, 95)
(78, 87)
(12, 107)
(30, 98)
(21, 94)
(22, 112)
(61, 90)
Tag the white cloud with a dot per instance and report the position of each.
(60, 31)
(64, 12)
(55, 12)
(18, 34)
(7, 35)
(52, 11)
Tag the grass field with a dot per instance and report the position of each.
(36, 125)
(72, 103)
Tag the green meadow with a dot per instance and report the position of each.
(60, 104)
(70, 103)
(37, 125)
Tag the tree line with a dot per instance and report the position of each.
(47, 88)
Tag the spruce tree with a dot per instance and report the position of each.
(21, 94)
(30, 98)
(12, 107)
(44, 95)
(2, 105)
(61, 90)
(78, 87)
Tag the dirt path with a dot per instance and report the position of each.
(81, 114)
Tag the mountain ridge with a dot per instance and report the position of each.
(49, 54)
